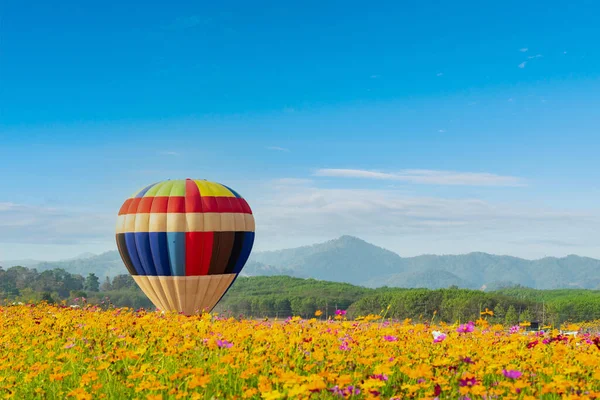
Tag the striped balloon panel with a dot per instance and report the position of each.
(185, 228)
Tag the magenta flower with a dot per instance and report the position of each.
(440, 337)
(464, 328)
(380, 377)
(468, 382)
(390, 338)
(344, 346)
(340, 312)
(512, 374)
(514, 329)
(336, 390)
(224, 343)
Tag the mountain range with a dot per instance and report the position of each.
(352, 260)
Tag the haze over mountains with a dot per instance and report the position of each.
(350, 259)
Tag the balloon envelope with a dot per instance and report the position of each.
(185, 241)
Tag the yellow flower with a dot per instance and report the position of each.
(272, 395)
(318, 313)
(198, 381)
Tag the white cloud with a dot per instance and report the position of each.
(277, 148)
(288, 215)
(523, 50)
(169, 153)
(441, 130)
(20, 223)
(430, 177)
(522, 65)
(536, 56)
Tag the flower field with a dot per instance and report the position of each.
(58, 352)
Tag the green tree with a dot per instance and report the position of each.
(499, 311)
(120, 282)
(526, 316)
(283, 308)
(511, 317)
(92, 283)
(106, 285)
(47, 297)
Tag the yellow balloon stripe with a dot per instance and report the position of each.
(188, 222)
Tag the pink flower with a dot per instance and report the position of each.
(390, 338)
(340, 312)
(344, 346)
(380, 377)
(464, 328)
(512, 374)
(224, 343)
(438, 336)
(514, 329)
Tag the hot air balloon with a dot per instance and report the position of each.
(184, 242)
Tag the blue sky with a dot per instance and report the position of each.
(429, 127)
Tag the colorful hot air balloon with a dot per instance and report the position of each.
(185, 241)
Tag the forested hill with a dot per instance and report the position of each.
(352, 260)
(283, 296)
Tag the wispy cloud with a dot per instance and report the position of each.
(439, 74)
(277, 148)
(441, 130)
(309, 211)
(21, 223)
(543, 242)
(428, 177)
(523, 64)
(523, 50)
(169, 153)
(536, 56)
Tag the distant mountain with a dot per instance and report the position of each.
(352, 260)
(23, 263)
(431, 279)
(105, 264)
(346, 259)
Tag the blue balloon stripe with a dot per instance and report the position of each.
(160, 253)
(142, 244)
(245, 252)
(176, 248)
(130, 243)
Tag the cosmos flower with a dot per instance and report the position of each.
(464, 328)
(224, 343)
(512, 374)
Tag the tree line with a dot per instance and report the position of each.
(284, 296)
(21, 284)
